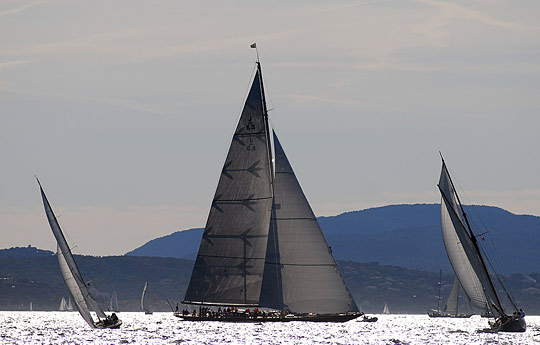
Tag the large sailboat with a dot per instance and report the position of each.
(73, 278)
(469, 263)
(451, 308)
(263, 256)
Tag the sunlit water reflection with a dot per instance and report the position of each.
(164, 328)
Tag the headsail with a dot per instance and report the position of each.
(300, 274)
(452, 302)
(73, 287)
(463, 251)
(230, 262)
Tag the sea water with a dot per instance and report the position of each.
(164, 328)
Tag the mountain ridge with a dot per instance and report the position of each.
(406, 235)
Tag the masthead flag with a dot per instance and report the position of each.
(254, 45)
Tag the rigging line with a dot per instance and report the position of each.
(500, 282)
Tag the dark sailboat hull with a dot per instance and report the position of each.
(441, 314)
(517, 325)
(102, 324)
(242, 317)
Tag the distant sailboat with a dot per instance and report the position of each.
(452, 304)
(69, 304)
(262, 245)
(31, 307)
(385, 309)
(73, 278)
(468, 261)
(143, 308)
(113, 303)
(63, 305)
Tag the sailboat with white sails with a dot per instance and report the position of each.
(113, 302)
(143, 308)
(73, 278)
(386, 310)
(262, 246)
(468, 261)
(451, 308)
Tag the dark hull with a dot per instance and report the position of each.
(518, 325)
(370, 319)
(458, 316)
(102, 324)
(241, 317)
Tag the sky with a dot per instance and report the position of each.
(125, 109)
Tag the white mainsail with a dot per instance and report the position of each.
(144, 295)
(63, 305)
(463, 253)
(385, 309)
(70, 272)
(113, 303)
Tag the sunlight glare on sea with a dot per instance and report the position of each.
(164, 328)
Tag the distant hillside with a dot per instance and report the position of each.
(38, 280)
(181, 244)
(20, 252)
(403, 235)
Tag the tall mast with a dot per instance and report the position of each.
(439, 299)
(265, 114)
(457, 299)
(472, 236)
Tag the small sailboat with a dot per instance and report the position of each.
(468, 260)
(452, 304)
(69, 306)
(113, 303)
(262, 246)
(146, 310)
(73, 278)
(385, 309)
(31, 307)
(63, 305)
